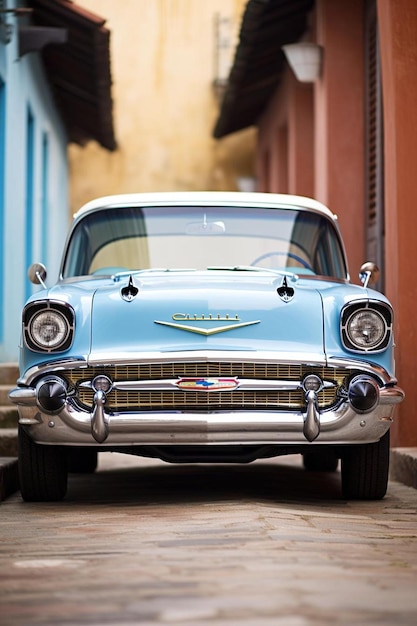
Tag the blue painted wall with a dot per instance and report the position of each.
(33, 182)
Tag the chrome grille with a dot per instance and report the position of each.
(160, 371)
(125, 400)
(180, 400)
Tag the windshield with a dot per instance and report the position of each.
(137, 238)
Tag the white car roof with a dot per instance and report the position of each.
(177, 198)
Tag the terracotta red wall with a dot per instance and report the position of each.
(398, 27)
(339, 121)
(321, 129)
(285, 161)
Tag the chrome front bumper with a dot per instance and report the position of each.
(71, 426)
(68, 425)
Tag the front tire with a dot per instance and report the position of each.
(42, 470)
(365, 470)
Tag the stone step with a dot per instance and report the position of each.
(8, 442)
(4, 395)
(8, 416)
(8, 411)
(9, 373)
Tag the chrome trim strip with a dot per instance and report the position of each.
(189, 356)
(364, 366)
(51, 366)
(26, 396)
(285, 358)
(245, 384)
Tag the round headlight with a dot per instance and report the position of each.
(49, 329)
(366, 329)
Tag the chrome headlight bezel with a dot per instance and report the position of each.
(374, 318)
(59, 317)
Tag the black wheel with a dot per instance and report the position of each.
(42, 470)
(365, 470)
(324, 460)
(82, 460)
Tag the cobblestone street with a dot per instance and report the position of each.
(142, 542)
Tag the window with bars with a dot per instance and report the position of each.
(374, 163)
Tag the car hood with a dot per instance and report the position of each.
(295, 317)
(212, 310)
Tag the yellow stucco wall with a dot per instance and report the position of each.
(163, 66)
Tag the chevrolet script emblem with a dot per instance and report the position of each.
(180, 318)
(207, 384)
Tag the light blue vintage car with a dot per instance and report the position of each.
(205, 327)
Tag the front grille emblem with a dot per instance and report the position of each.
(207, 384)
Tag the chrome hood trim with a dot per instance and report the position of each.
(237, 356)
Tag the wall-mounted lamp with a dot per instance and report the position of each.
(246, 183)
(305, 60)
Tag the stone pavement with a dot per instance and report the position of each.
(265, 544)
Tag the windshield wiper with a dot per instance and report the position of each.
(253, 268)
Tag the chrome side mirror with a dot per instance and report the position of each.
(369, 274)
(37, 274)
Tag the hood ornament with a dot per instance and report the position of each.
(285, 293)
(130, 292)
